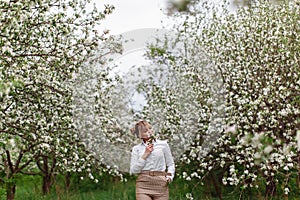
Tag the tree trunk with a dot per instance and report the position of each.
(270, 188)
(10, 190)
(68, 180)
(46, 184)
(298, 178)
(46, 176)
(217, 188)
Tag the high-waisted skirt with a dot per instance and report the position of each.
(152, 183)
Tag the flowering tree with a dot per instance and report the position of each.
(42, 43)
(256, 50)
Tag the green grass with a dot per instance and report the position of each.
(106, 189)
(29, 188)
(110, 188)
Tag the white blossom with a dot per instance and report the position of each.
(189, 196)
(286, 191)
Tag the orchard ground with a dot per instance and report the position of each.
(111, 188)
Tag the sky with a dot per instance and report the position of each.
(130, 15)
(133, 14)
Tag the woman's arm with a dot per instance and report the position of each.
(137, 163)
(169, 161)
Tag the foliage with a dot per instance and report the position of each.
(42, 43)
(256, 51)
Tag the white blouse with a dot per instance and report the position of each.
(159, 159)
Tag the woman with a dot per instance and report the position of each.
(150, 159)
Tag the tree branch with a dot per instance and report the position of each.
(19, 159)
(39, 166)
(23, 166)
(9, 161)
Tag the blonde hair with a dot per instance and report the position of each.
(140, 128)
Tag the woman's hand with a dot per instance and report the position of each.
(148, 151)
(168, 179)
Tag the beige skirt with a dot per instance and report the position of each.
(152, 184)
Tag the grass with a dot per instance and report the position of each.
(29, 188)
(110, 188)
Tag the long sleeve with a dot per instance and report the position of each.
(169, 161)
(136, 163)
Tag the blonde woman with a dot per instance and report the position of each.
(153, 162)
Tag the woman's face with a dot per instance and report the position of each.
(143, 130)
(147, 134)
